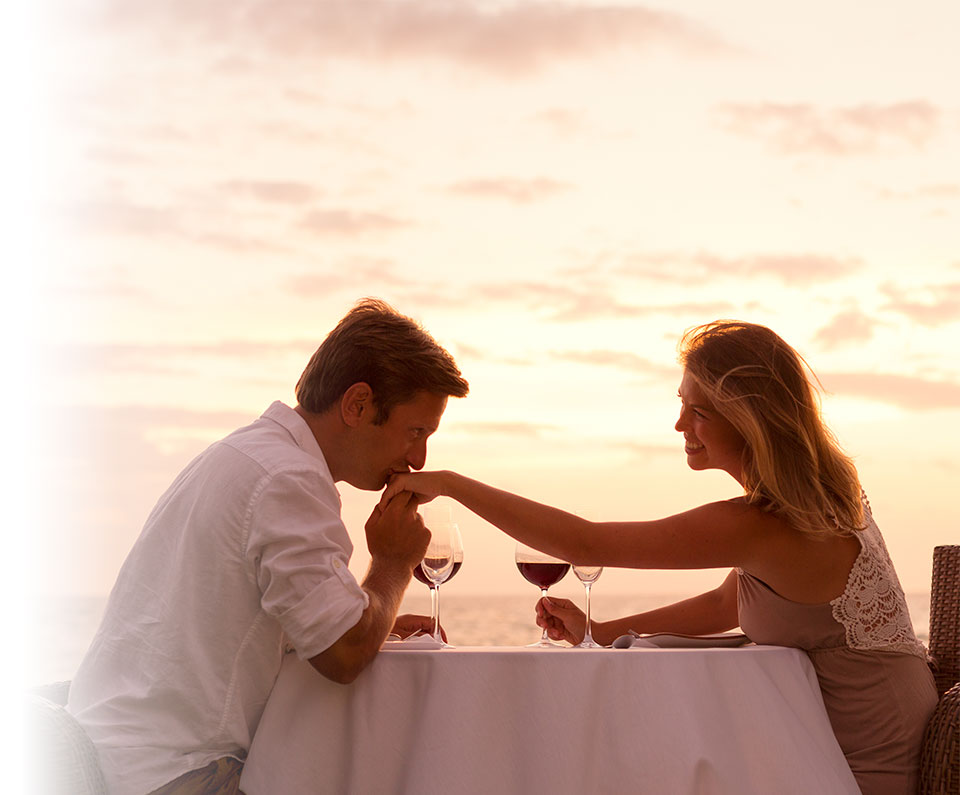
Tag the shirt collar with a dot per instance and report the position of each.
(297, 427)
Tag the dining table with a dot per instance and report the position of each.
(503, 720)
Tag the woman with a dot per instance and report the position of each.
(809, 566)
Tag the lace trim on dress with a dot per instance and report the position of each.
(872, 608)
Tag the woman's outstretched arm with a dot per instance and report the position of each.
(716, 535)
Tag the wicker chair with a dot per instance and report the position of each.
(940, 761)
(62, 760)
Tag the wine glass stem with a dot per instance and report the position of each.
(588, 635)
(544, 638)
(436, 614)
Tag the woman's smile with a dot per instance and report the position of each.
(691, 447)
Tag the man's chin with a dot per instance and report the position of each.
(368, 485)
(380, 483)
(383, 481)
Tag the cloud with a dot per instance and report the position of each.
(792, 269)
(529, 430)
(127, 150)
(622, 360)
(471, 352)
(100, 443)
(907, 392)
(373, 272)
(555, 302)
(936, 192)
(465, 352)
(855, 130)
(521, 191)
(302, 133)
(166, 358)
(935, 306)
(350, 223)
(235, 244)
(846, 328)
(117, 216)
(139, 417)
(99, 284)
(115, 155)
(273, 191)
(564, 121)
(568, 304)
(512, 38)
(647, 450)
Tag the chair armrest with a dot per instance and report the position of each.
(940, 759)
(60, 756)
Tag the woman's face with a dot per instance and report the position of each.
(710, 440)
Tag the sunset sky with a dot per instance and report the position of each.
(556, 190)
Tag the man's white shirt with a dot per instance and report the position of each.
(245, 551)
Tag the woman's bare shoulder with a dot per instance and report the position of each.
(800, 566)
(740, 511)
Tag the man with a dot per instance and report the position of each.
(246, 553)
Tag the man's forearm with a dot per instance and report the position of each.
(385, 584)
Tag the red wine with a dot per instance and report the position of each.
(419, 575)
(543, 575)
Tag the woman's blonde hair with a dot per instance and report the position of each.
(792, 463)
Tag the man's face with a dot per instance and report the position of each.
(399, 444)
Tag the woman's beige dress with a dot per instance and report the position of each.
(877, 687)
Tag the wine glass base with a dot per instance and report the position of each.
(588, 644)
(546, 644)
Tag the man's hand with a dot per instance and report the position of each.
(397, 540)
(407, 625)
(425, 486)
(396, 533)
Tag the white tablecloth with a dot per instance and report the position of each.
(524, 721)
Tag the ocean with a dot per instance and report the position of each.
(63, 627)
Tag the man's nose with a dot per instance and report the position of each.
(417, 457)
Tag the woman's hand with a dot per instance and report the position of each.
(562, 619)
(424, 485)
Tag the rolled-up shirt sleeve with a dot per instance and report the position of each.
(301, 550)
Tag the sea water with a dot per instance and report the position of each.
(62, 628)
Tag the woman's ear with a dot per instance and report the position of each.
(356, 404)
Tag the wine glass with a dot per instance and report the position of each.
(542, 570)
(588, 575)
(442, 560)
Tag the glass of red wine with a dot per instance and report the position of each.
(542, 570)
(442, 560)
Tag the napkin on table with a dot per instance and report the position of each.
(413, 642)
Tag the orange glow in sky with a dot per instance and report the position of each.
(555, 190)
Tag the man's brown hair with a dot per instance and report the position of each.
(389, 352)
